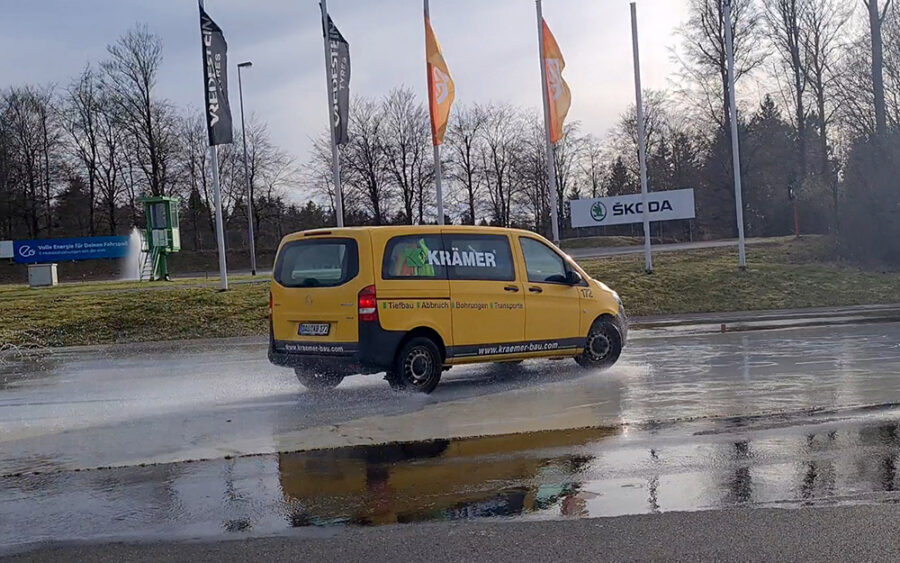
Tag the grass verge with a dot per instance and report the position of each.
(781, 274)
(600, 242)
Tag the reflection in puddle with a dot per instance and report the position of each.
(586, 473)
(553, 474)
(437, 480)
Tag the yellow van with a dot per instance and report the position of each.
(412, 301)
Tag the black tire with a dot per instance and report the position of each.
(602, 347)
(317, 380)
(417, 367)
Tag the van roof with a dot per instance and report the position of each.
(405, 229)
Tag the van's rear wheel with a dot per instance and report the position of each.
(602, 346)
(318, 380)
(417, 366)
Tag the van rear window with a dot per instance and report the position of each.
(317, 263)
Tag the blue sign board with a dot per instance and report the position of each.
(68, 249)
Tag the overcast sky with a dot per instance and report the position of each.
(490, 47)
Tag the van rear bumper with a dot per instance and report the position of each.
(338, 358)
(374, 353)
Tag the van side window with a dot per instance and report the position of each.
(414, 257)
(543, 264)
(478, 257)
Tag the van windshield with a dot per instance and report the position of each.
(317, 263)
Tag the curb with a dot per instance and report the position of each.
(640, 328)
(662, 326)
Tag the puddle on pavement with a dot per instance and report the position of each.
(552, 474)
(438, 480)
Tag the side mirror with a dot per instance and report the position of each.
(573, 277)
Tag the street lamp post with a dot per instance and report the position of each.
(735, 146)
(247, 64)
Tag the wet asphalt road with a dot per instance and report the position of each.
(839, 534)
(204, 438)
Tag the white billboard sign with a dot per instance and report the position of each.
(6, 249)
(622, 210)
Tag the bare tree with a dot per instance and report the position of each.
(463, 139)
(316, 173)
(271, 171)
(822, 26)
(703, 63)
(531, 197)
(502, 129)
(111, 160)
(50, 141)
(624, 138)
(7, 177)
(365, 160)
(81, 113)
(876, 19)
(130, 75)
(786, 19)
(891, 38)
(405, 144)
(34, 139)
(854, 89)
(591, 166)
(24, 149)
(566, 155)
(192, 133)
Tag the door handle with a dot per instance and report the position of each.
(535, 290)
(513, 288)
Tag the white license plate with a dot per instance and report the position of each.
(313, 329)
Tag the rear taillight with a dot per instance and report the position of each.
(368, 305)
(271, 304)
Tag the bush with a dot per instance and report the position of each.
(869, 220)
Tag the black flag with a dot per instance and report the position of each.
(215, 79)
(339, 57)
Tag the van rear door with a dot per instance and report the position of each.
(317, 281)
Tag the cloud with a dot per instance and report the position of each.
(491, 48)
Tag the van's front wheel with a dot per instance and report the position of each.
(602, 346)
(417, 367)
(318, 380)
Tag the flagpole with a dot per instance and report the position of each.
(437, 147)
(735, 148)
(437, 184)
(217, 201)
(220, 224)
(642, 139)
(247, 173)
(551, 165)
(329, 86)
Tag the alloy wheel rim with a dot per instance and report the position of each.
(598, 346)
(418, 365)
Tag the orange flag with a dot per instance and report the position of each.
(441, 90)
(559, 96)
